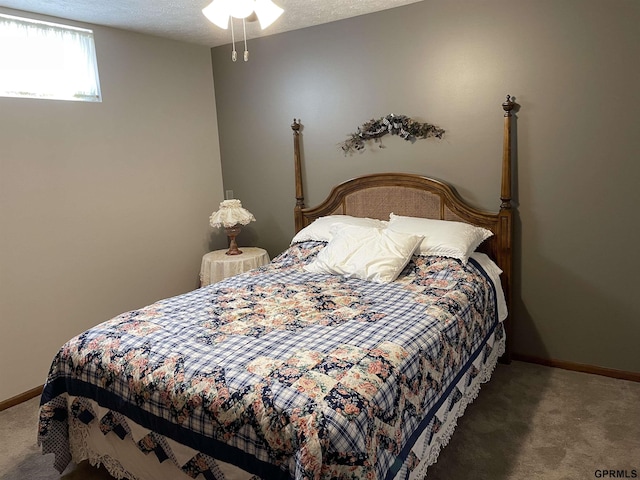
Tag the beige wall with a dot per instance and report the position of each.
(104, 206)
(572, 66)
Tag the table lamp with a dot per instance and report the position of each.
(231, 216)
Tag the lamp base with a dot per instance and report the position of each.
(232, 233)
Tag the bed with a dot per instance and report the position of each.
(313, 366)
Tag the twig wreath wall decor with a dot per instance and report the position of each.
(401, 125)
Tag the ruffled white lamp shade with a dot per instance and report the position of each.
(231, 216)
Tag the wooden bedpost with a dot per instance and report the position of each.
(297, 211)
(504, 252)
(505, 193)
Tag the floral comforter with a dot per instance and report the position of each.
(285, 373)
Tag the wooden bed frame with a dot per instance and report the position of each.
(377, 195)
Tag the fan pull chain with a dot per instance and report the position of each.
(234, 54)
(246, 52)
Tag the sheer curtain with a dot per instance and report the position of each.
(46, 60)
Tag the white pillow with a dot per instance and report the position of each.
(320, 229)
(442, 237)
(374, 254)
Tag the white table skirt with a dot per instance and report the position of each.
(217, 265)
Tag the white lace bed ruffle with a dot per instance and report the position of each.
(80, 451)
(123, 459)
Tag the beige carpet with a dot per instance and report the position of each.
(529, 422)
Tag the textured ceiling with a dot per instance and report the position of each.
(183, 19)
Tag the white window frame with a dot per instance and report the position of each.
(47, 60)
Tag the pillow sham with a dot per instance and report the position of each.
(320, 229)
(442, 237)
(368, 253)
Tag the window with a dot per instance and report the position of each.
(47, 60)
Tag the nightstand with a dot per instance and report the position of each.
(217, 265)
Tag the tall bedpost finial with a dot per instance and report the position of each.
(507, 106)
(505, 192)
(299, 220)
